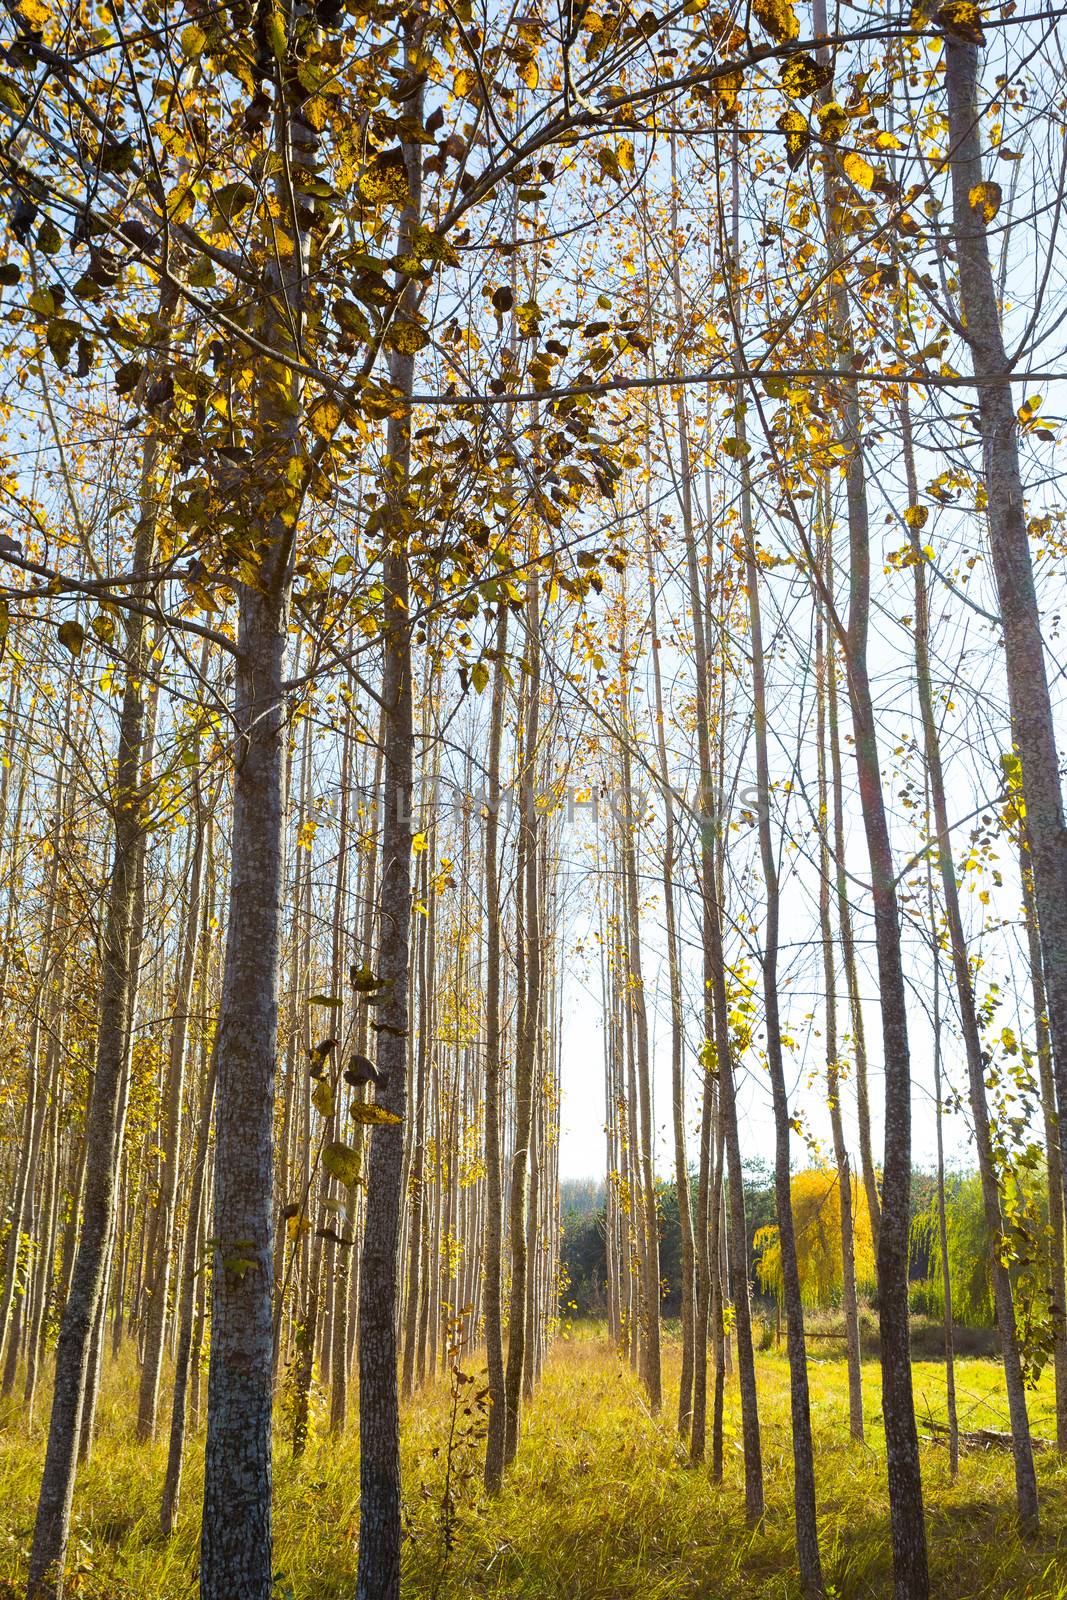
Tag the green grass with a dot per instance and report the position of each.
(600, 1505)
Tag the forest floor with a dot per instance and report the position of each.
(600, 1505)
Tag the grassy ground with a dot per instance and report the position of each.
(600, 1505)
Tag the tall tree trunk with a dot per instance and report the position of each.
(849, 1303)
(1028, 693)
(848, 942)
(164, 1211)
(339, 1366)
(808, 1561)
(719, 1067)
(1004, 1299)
(379, 1419)
(681, 1163)
(1043, 1050)
(103, 1133)
(907, 1519)
(648, 1229)
(235, 1561)
(494, 1207)
(416, 1186)
(194, 1232)
(236, 1543)
(942, 1209)
(529, 979)
(33, 1114)
(910, 1571)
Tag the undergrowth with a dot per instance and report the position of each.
(601, 1504)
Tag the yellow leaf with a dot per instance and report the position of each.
(405, 336)
(833, 120)
(366, 1111)
(342, 1163)
(963, 20)
(180, 203)
(529, 74)
(35, 13)
(419, 844)
(888, 141)
(802, 76)
(322, 1097)
(797, 136)
(193, 41)
(72, 634)
(326, 419)
(778, 18)
(916, 516)
(464, 83)
(858, 169)
(625, 153)
(985, 198)
(275, 30)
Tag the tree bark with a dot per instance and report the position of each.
(808, 1560)
(378, 1576)
(648, 1229)
(849, 1304)
(236, 1544)
(1028, 692)
(163, 1213)
(1043, 1050)
(494, 1209)
(1004, 1299)
(681, 1162)
(911, 1579)
(942, 1209)
(103, 1130)
(194, 1231)
(529, 979)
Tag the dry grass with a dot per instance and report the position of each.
(600, 1506)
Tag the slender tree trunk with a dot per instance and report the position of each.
(1028, 692)
(33, 1116)
(718, 1065)
(1043, 1046)
(648, 1229)
(808, 1560)
(416, 1186)
(235, 1562)
(339, 1367)
(942, 1209)
(494, 1213)
(103, 1134)
(1004, 1299)
(681, 1163)
(163, 1225)
(910, 1571)
(236, 1544)
(379, 1419)
(194, 1232)
(848, 942)
(911, 1578)
(529, 978)
(849, 1303)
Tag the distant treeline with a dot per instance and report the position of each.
(583, 1288)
